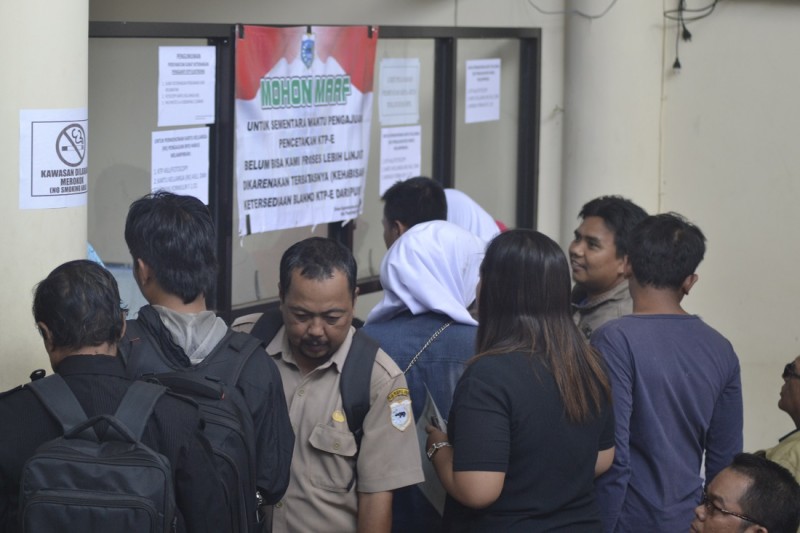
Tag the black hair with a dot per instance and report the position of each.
(79, 303)
(664, 250)
(620, 216)
(414, 201)
(316, 258)
(773, 497)
(174, 235)
(524, 305)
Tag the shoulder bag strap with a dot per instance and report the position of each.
(427, 343)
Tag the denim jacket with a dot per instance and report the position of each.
(439, 367)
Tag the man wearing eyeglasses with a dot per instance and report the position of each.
(752, 495)
(787, 452)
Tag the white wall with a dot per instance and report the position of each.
(731, 164)
(44, 67)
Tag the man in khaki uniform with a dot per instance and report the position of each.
(599, 257)
(334, 486)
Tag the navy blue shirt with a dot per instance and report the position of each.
(677, 395)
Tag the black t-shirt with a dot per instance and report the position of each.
(508, 416)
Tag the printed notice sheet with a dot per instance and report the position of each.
(180, 162)
(186, 85)
(401, 155)
(483, 90)
(398, 99)
(53, 169)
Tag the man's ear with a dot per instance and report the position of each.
(142, 272)
(688, 283)
(355, 295)
(627, 269)
(399, 228)
(47, 335)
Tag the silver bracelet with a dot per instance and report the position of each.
(435, 448)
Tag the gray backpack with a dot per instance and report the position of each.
(98, 476)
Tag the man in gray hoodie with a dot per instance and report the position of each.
(172, 241)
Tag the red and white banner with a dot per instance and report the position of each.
(303, 113)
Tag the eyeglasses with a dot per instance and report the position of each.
(790, 372)
(711, 507)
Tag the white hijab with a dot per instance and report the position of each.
(432, 267)
(465, 212)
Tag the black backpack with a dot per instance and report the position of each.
(356, 373)
(228, 423)
(98, 476)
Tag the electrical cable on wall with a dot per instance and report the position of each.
(684, 15)
(573, 11)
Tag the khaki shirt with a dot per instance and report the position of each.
(787, 453)
(590, 315)
(325, 477)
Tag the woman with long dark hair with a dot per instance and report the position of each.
(531, 423)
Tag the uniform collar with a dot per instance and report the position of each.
(279, 349)
(581, 303)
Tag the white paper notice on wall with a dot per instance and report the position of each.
(482, 91)
(186, 84)
(53, 169)
(401, 155)
(398, 99)
(179, 162)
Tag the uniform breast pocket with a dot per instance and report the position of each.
(336, 451)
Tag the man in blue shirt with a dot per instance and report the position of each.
(676, 388)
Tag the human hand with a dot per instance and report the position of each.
(434, 435)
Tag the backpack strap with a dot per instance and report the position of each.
(60, 401)
(137, 405)
(133, 334)
(133, 350)
(267, 325)
(226, 361)
(354, 385)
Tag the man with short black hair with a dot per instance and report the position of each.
(675, 383)
(77, 311)
(598, 256)
(337, 483)
(172, 241)
(752, 495)
(411, 202)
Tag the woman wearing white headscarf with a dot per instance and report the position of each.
(429, 277)
(465, 212)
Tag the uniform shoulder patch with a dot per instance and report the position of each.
(399, 408)
(397, 392)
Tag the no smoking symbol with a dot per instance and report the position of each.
(71, 145)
